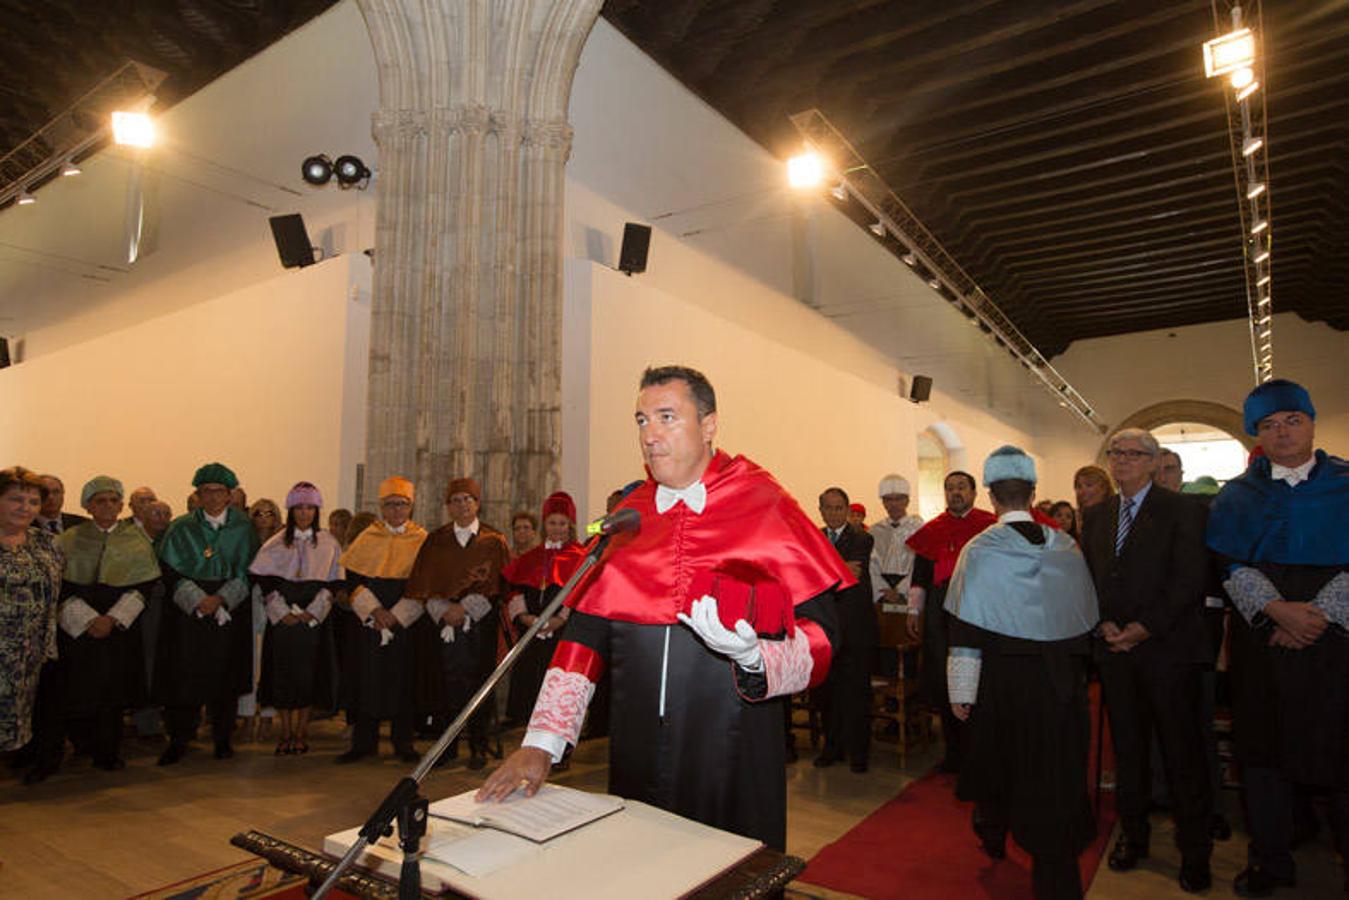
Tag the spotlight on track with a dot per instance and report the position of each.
(317, 170)
(877, 228)
(25, 198)
(840, 192)
(350, 171)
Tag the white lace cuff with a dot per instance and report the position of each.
(962, 675)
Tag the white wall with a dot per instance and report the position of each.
(1211, 362)
(252, 378)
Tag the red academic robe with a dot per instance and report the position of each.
(688, 731)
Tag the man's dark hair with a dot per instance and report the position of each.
(703, 396)
(834, 490)
(974, 485)
(1012, 492)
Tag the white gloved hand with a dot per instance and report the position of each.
(741, 645)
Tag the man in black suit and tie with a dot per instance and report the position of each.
(1145, 548)
(847, 693)
(49, 517)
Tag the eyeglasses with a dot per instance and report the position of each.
(264, 514)
(395, 503)
(1132, 455)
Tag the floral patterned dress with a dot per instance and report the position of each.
(30, 583)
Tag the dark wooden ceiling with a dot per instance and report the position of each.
(55, 51)
(1071, 156)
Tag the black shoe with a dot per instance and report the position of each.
(407, 754)
(858, 766)
(1126, 854)
(39, 774)
(351, 756)
(1256, 882)
(1218, 829)
(826, 758)
(110, 764)
(223, 750)
(174, 752)
(1195, 877)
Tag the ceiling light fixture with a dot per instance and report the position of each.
(25, 198)
(1264, 280)
(133, 129)
(840, 192)
(1251, 146)
(1261, 257)
(1240, 78)
(317, 170)
(68, 168)
(350, 171)
(909, 259)
(877, 228)
(805, 170)
(934, 283)
(1248, 90)
(1255, 190)
(1230, 52)
(1260, 226)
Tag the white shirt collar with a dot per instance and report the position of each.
(462, 535)
(1016, 515)
(1137, 499)
(217, 521)
(396, 529)
(109, 530)
(694, 497)
(306, 535)
(1294, 475)
(552, 545)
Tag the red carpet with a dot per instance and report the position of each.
(920, 845)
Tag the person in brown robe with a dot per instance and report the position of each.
(458, 576)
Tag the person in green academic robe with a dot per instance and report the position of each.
(205, 653)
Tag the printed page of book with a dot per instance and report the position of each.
(554, 810)
(639, 851)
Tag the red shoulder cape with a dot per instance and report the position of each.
(942, 539)
(647, 576)
(534, 568)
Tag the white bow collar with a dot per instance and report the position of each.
(1294, 475)
(694, 497)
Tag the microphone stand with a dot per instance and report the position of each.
(404, 802)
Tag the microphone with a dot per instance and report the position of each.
(619, 521)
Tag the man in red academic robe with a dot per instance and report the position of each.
(710, 614)
(936, 547)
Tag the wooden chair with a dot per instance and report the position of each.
(894, 697)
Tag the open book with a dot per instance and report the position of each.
(552, 811)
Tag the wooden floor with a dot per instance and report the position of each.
(87, 833)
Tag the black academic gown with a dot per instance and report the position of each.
(382, 679)
(102, 673)
(708, 754)
(1291, 707)
(199, 661)
(299, 662)
(527, 676)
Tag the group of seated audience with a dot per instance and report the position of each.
(376, 617)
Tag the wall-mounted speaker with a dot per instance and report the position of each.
(636, 243)
(292, 241)
(921, 388)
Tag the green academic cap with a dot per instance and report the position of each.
(98, 485)
(215, 473)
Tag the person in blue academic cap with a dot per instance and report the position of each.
(1281, 530)
(1023, 607)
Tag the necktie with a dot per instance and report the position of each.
(694, 497)
(1126, 519)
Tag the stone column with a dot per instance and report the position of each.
(465, 338)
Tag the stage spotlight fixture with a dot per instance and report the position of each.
(877, 228)
(1251, 146)
(69, 168)
(840, 192)
(909, 259)
(1259, 226)
(934, 283)
(806, 170)
(1248, 90)
(1264, 320)
(133, 129)
(1255, 190)
(1228, 53)
(1261, 257)
(1263, 281)
(350, 171)
(25, 198)
(317, 170)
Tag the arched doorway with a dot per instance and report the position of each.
(939, 451)
(1203, 450)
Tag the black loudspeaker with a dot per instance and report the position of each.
(4, 353)
(636, 243)
(292, 241)
(921, 388)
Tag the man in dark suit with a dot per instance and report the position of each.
(1145, 548)
(847, 693)
(50, 517)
